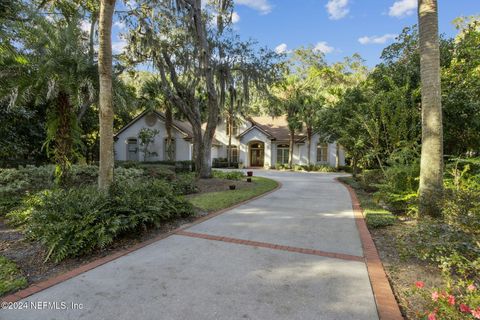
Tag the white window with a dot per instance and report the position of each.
(169, 152)
(282, 153)
(322, 152)
(234, 128)
(233, 154)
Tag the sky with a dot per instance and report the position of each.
(339, 28)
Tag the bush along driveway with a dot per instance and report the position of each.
(293, 254)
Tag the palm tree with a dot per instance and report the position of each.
(51, 68)
(105, 174)
(431, 164)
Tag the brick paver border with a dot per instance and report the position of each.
(387, 306)
(271, 246)
(39, 286)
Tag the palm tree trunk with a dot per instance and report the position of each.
(290, 148)
(229, 149)
(105, 174)
(309, 143)
(431, 164)
(91, 41)
(337, 156)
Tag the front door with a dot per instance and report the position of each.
(257, 154)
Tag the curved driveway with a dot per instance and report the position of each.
(293, 254)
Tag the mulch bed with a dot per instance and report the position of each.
(214, 185)
(403, 272)
(30, 255)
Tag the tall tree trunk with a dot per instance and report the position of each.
(431, 164)
(309, 143)
(229, 148)
(91, 42)
(63, 139)
(230, 124)
(105, 174)
(212, 97)
(337, 156)
(168, 128)
(290, 148)
(354, 167)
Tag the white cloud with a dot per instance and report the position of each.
(323, 46)
(131, 3)
(119, 24)
(260, 5)
(118, 46)
(402, 8)
(85, 25)
(235, 17)
(281, 48)
(337, 9)
(377, 39)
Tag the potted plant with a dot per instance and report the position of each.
(250, 173)
(249, 179)
(232, 187)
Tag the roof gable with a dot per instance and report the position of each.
(182, 126)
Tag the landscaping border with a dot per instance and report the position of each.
(387, 306)
(40, 286)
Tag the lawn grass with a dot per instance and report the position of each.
(375, 215)
(213, 201)
(11, 278)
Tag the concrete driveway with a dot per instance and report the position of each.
(293, 254)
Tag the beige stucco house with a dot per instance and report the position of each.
(256, 142)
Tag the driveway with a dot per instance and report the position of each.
(293, 254)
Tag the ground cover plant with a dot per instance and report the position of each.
(11, 278)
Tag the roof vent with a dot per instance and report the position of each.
(151, 119)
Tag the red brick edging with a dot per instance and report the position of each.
(387, 306)
(267, 245)
(37, 287)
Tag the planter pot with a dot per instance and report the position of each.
(232, 187)
(249, 179)
(250, 173)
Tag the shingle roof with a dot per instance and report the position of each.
(276, 127)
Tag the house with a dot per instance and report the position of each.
(256, 142)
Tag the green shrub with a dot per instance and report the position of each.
(456, 252)
(371, 178)
(323, 168)
(399, 189)
(10, 277)
(159, 171)
(126, 174)
(463, 174)
(461, 210)
(185, 183)
(379, 218)
(147, 203)
(375, 215)
(15, 181)
(223, 163)
(280, 166)
(79, 220)
(83, 174)
(229, 175)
